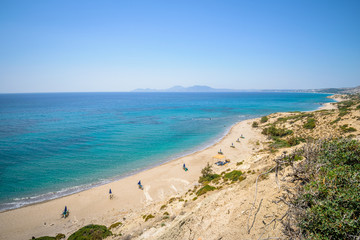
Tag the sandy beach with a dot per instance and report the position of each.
(94, 206)
(160, 184)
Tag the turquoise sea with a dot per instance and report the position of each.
(56, 144)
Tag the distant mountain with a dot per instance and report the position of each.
(195, 88)
(353, 90)
(198, 88)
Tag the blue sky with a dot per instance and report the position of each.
(72, 46)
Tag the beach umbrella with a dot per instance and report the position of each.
(139, 182)
(110, 191)
(65, 210)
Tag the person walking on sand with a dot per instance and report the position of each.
(110, 194)
(140, 186)
(65, 212)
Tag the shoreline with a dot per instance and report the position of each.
(67, 191)
(200, 148)
(97, 198)
(32, 219)
(132, 173)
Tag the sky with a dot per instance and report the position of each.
(96, 46)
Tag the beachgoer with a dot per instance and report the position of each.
(110, 194)
(65, 213)
(140, 186)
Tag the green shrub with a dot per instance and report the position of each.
(343, 113)
(234, 175)
(346, 129)
(238, 164)
(115, 225)
(345, 104)
(148, 217)
(255, 124)
(293, 141)
(335, 121)
(163, 207)
(279, 143)
(310, 123)
(329, 201)
(282, 119)
(205, 189)
(208, 175)
(209, 178)
(91, 232)
(344, 107)
(264, 119)
(276, 132)
(295, 118)
(207, 170)
(58, 237)
(45, 238)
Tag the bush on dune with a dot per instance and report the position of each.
(276, 132)
(208, 175)
(234, 175)
(91, 232)
(58, 237)
(264, 119)
(205, 189)
(310, 123)
(325, 204)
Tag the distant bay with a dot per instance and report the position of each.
(55, 144)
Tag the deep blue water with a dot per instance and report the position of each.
(59, 143)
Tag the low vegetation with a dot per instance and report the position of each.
(264, 119)
(234, 175)
(344, 107)
(115, 225)
(293, 141)
(310, 123)
(295, 118)
(335, 121)
(325, 204)
(91, 232)
(208, 175)
(279, 143)
(58, 237)
(148, 217)
(255, 124)
(205, 189)
(346, 129)
(272, 131)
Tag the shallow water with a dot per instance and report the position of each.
(55, 144)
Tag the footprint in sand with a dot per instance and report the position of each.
(173, 187)
(179, 180)
(147, 195)
(161, 194)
